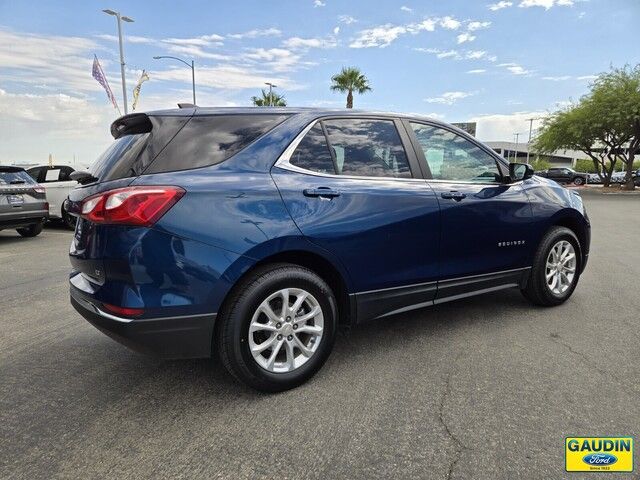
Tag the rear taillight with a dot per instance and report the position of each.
(39, 189)
(139, 206)
(124, 311)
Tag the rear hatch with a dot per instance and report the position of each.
(21, 198)
(138, 140)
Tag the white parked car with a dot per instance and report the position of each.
(57, 185)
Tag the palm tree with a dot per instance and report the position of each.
(269, 100)
(350, 79)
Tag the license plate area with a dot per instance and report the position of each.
(15, 200)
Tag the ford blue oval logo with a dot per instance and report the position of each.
(599, 459)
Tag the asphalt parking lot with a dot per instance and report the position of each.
(486, 387)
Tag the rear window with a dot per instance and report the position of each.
(17, 177)
(208, 140)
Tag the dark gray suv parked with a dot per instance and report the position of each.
(23, 202)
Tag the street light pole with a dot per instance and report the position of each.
(530, 120)
(271, 86)
(515, 152)
(193, 72)
(120, 19)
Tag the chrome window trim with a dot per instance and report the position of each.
(283, 159)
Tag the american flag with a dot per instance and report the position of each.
(99, 75)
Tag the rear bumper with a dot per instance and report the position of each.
(21, 218)
(165, 337)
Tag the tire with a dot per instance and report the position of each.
(69, 221)
(578, 181)
(244, 308)
(538, 291)
(32, 230)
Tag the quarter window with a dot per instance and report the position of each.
(313, 153)
(367, 147)
(452, 157)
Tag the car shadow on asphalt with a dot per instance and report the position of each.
(388, 333)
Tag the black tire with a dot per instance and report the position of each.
(231, 339)
(32, 230)
(537, 290)
(578, 181)
(68, 220)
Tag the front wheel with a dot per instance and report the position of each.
(278, 327)
(556, 268)
(578, 181)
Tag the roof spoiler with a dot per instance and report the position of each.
(186, 105)
(130, 124)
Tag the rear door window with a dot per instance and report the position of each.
(208, 140)
(367, 147)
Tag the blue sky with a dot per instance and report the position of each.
(497, 62)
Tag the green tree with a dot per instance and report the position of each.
(349, 80)
(604, 124)
(269, 100)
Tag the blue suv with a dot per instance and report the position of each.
(253, 233)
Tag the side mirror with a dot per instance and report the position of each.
(520, 171)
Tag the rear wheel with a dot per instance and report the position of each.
(32, 230)
(556, 268)
(278, 327)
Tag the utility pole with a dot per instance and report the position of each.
(120, 19)
(515, 152)
(530, 120)
(271, 87)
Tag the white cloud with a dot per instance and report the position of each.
(450, 23)
(336, 30)
(558, 78)
(278, 59)
(195, 51)
(448, 98)
(57, 61)
(499, 6)
(515, 69)
(458, 55)
(346, 19)
(473, 26)
(265, 32)
(404, 8)
(202, 41)
(318, 3)
(500, 127)
(63, 124)
(477, 70)
(127, 38)
(587, 77)
(229, 77)
(297, 43)
(465, 37)
(380, 36)
(546, 4)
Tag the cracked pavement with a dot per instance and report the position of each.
(487, 387)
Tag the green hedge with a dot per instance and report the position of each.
(587, 166)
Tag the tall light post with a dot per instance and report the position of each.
(271, 87)
(515, 152)
(121, 18)
(530, 120)
(193, 72)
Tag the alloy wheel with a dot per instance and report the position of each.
(561, 267)
(286, 330)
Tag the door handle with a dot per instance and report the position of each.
(320, 192)
(457, 196)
